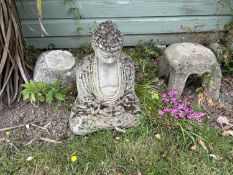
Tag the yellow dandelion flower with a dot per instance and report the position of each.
(8, 133)
(74, 158)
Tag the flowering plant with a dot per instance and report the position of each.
(184, 116)
(177, 109)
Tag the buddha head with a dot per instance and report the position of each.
(107, 41)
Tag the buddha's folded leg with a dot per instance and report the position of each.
(124, 120)
(88, 115)
(83, 125)
(130, 104)
(86, 119)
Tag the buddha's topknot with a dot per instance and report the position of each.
(108, 37)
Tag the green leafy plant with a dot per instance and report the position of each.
(145, 57)
(147, 50)
(40, 92)
(57, 91)
(34, 91)
(225, 50)
(149, 97)
(187, 120)
(169, 113)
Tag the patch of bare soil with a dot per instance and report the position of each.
(49, 123)
(36, 124)
(224, 107)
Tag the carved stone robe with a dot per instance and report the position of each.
(92, 110)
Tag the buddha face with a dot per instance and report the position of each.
(106, 57)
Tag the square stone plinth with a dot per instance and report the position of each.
(180, 60)
(55, 65)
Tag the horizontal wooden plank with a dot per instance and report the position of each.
(129, 40)
(122, 8)
(69, 27)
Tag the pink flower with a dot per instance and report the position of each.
(167, 110)
(200, 114)
(188, 110)
(199, 120)
(172, 92)
(181, 114)
(164, 95)
(191, 116)
(174, 101)
(182, 106)
(174, 111)
(166, 99)
(178, 109)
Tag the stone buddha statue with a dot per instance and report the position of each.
(105, 83)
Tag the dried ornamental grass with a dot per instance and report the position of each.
(12, 52)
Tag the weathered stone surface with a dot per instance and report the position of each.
(181, 60)
(55, 65)
(105, 83)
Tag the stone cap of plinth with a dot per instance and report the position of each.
(59, 60)
(55, 65)
(194, 53)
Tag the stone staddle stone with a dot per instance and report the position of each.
(180, 60)
(55, 65)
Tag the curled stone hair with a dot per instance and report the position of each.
(107, 37)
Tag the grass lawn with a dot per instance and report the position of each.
(137, 151)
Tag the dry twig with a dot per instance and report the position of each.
(49, 140)
(40, 127)
(19, 126)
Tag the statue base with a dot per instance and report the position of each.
(89, 124)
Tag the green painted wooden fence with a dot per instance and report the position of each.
(164, 21)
